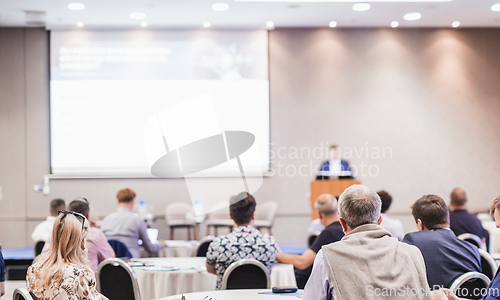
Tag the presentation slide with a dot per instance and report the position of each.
(162, 103)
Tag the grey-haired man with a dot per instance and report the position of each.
(367, 263)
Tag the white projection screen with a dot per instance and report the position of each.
(123, 103)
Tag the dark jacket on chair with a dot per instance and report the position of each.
(446, 257)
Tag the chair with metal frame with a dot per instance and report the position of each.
(467, 285)
(23, 294)
(488, 264)
(473, 239)
(246, 274)
(218, 217)
(201, 248)
(117, 280)
(176, 217)
(38, 247)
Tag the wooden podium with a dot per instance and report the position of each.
(334, 187)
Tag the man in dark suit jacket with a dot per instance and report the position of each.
(335, 165)
(446, 257)
(461, 221)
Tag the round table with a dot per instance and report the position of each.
(236, 294)
(176, 275)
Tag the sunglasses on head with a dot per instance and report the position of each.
(79, 216)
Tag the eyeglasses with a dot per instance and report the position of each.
(77, 215)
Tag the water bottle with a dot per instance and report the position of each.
(143, 209)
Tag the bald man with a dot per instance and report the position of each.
(461, 221)
(326, 205)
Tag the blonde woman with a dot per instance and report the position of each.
(62, 273)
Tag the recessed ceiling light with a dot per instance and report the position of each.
(413, 16)
(455, 24)
(79, 24)
(394, 24)
(144, 24)
(270, 24)
(332, 24)
(76, 6)
(495, 7)
(361, 6)
(137, 15)
(220, 6)
(206, 24)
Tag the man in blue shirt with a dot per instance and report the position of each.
(493, 290)
(2, 275)
(446, 257)
(461, 221)
(326, 206)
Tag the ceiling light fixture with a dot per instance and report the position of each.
(394, 24)
(361, 6)
(144, 24)
(413, 16)
(137, 16)
(495, 7)
(76, 6)
(206, 24)
(455, 24)
(270, 24)
(220, 7)
(79, 24)
(332, 24)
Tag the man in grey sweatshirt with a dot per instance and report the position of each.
(368, 263)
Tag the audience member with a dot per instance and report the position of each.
(395, 227)
(127, 227)
(367, 263)
(326, 206)
(446, 256)
(97, 244)
(2, 275)
(461, 221)
(43, 230)
(493, 290)
(62, 273)
(243, 242)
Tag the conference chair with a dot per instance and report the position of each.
(176, 217)
(23, 294)
(488, 264)
(312, 237)
(246, 274)
(473, 239)
(117, 280)
(264, 215)
(120, 249)
(469, 284)
(38, 247)
(219, 217)
(201, 248)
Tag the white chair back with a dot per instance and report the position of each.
(178, 211)
(266, 211)
(21, 294)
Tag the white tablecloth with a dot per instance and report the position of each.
(174, 249)
(188, 275)
(232, 295)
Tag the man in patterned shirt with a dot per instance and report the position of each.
(243, 242)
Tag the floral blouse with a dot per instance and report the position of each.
(78, 284)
